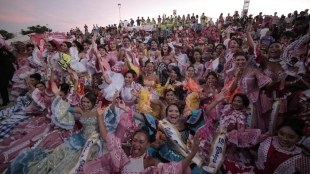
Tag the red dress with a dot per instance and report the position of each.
(272, 158)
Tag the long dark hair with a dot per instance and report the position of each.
(79, 46)
(92, 97)
(244, 98)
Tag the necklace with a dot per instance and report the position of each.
(274, 60)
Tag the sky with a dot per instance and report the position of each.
(61, 15)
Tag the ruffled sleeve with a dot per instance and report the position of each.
(4, 44)
(192, 86)
(263, 80)
(244, 138)
(296, 49)
(111, 119)
(38, 98)
(61, 117)
(167, 168)
(109, 89)
(144, 105)
(118, 157)
(112, 162)
(196, 120)
(37, 59)
(192, 103)
(74, 63)
(74, 97)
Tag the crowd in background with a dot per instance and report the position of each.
(180, 94)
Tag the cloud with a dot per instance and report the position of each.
(17, 18)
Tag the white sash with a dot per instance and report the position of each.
(250, 116)
(174, 136)
(217, 152)
(274, 116)
(84, 156)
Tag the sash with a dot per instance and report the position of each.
(250, 116)
(274, 116)
(40, 140)
(85, 153)
(217, 152)
(174, 136)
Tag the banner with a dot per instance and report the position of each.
(58, 36)
(148, 27)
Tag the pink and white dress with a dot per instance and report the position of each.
(238, 157)
(273, 158)
(199, 70)
(20, 76)
(37, 61)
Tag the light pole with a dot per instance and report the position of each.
(119, 11)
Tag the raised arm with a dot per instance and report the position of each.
(74, 78)
(102, 128)
(249, 37)
(187, 161)
(218, 98)
(104, 74)
(94, 46)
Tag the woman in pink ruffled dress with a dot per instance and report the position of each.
(248, 80)
(133, 159)
(23, 71)
(280, 154)
(239, 138)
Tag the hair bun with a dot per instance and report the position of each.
(295, 120)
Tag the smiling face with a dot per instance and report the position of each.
(275, 50)
(197, 56)
(219, 49)
(287, 137)
(173, 114)
(126, 42)
(211, 80)
(173, 75)
(240, 61)
(128, 78)
(97, 80)
(113, 45)
(86, 46)
(149, 68)
(64, 48)
(86, 104)
(139, 144)
(154, 44)
(40, 86)
(191, 72)
(237, 103)
(102, 52)
(169, 97)
(233, 45)
(49, 47)
(165, 48)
